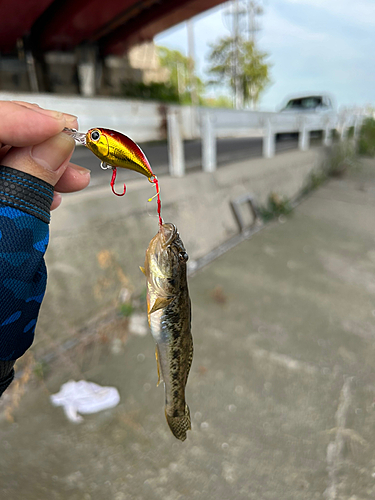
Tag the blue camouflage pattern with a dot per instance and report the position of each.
(23, 277)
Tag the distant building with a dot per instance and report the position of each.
(60, 72)
(140, 64)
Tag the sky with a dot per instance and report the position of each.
(313, 46)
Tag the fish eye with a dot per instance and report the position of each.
(184, 256)
(95, 135)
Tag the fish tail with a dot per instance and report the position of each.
(179, 425)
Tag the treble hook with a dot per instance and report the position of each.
(114, 174)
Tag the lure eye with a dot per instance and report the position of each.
(95, 135)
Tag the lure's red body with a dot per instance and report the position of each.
(118, 150)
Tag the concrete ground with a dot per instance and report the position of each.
(282, 385)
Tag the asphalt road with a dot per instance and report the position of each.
(228, 151)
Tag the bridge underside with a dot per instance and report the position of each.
(111, 25)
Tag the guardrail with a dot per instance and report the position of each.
(220, 123)
(152, 121)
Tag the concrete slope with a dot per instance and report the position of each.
(98, 240)
(281, 390)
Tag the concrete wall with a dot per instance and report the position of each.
(98, 240)
(141, 120)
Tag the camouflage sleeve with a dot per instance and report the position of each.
(24, 217)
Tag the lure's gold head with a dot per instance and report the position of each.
(118, 150)
(97, 142)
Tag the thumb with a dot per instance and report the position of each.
(47, 160)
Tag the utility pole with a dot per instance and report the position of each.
(254, 10)
(191, 55)
(236, 75)
(243, 15)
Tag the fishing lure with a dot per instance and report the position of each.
(117, 150)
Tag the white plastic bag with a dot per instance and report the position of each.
(84, 397)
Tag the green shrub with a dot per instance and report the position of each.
(276, 206)
(341, 159)
(41, 369)
(315, 179)
(126, 309)
(366, 140)
(335, 136)
(350, 133)
(151, 91)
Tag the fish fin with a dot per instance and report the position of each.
(179, 425)
(190, 360)
(148, 310)
(160, 303)
(143, 270)
(157, 356)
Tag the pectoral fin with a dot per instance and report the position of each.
(143, 270)
(160, 303)
(160, 378)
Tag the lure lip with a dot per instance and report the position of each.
(79, 137)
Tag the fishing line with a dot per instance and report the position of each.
(153, 179)
(158, 205)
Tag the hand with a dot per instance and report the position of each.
(31, 140)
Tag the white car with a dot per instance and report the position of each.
(308, 104)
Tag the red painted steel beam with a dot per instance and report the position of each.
(16, 20)
(151, 21)
(71, 22)
(113, 24)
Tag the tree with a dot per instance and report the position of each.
(240, 65)
(154, 91)
(179, 67)
(176, 89)
(220, 101)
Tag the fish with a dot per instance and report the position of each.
(169, 317)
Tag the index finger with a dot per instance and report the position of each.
(25, 126)
(70, 119)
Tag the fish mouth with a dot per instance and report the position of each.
(168, 233)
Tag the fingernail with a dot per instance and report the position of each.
(71, 121)
(49, 112)
(52, 153)
(26, 104)
(81, 170)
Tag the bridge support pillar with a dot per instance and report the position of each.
(31, 71)
(175, 145)
(208, 144)
(87, 69)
